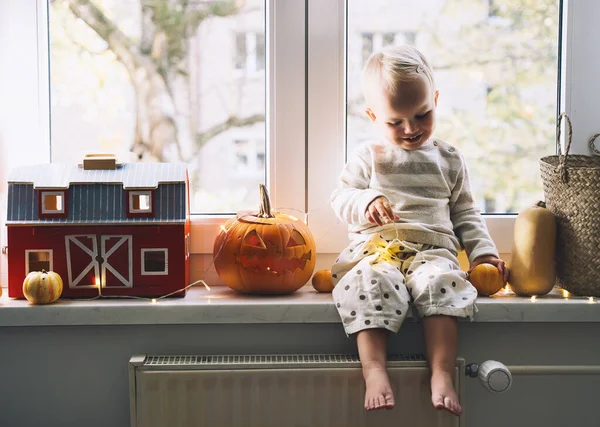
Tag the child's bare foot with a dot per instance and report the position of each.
(378, 394)
(443, 395)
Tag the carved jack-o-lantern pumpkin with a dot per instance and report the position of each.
(266, 252)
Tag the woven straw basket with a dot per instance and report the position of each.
(572, 192)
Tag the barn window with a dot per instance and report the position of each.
(155, 262)
(140, 202)
(52, 203)
(38, 260)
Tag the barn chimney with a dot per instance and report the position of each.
(99, 162)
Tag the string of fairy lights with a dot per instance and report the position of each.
(506, 291)
(154, 300)
(566, 295)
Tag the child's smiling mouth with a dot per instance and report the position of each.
(412, 139)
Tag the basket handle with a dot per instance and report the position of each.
(592, 145)
(563, 159)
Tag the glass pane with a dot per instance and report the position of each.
(168, 81)
(495, 65)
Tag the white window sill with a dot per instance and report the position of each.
(221, 305)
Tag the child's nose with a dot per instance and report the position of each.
(410, 127)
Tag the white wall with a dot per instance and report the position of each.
(581, 68)
(76, 376)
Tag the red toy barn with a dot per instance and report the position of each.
(124, 230)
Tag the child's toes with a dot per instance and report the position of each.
(438, 401)
(452, 405)
(389, 401)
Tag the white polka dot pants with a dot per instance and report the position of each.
(375, 281)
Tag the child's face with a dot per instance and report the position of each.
(406, 119)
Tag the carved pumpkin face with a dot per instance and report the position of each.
(258, 253)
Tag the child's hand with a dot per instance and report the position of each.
(380, 212)
(489, 259)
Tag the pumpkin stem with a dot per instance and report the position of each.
(541, 204)
(265, 203)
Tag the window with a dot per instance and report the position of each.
(52, 203)
(249, 158)
(140, 202)
(166, 91)
(505, 130)
(371, 42)
(38, 260)
(502, 133)
(95, 105)
(249, 52)
(306, 97)
(155, 262)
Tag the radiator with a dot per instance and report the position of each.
(278, 391)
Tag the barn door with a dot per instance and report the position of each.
(109, 266)
(117, 262)
(82, 260)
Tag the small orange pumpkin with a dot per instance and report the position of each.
(322, 281)
(487, 279)
(265, 252)
(42, 287)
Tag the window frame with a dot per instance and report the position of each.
(327, 29)
(285, 123)
(143, 271)
(50, 252)
(27, 21)
(305, 106)
(58, 213)
(137, 213)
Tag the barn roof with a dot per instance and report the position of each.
(131, 175)
(97, 204)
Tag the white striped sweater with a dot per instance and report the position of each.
(428, 188)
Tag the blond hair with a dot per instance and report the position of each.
(386, 68)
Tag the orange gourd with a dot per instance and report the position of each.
(487, 279)
(42, 287)
(322, 281)
(533, 267)
(265, 252)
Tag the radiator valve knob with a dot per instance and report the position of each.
(494, 376)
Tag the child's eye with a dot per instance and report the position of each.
(394, 124)
(422, 116)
